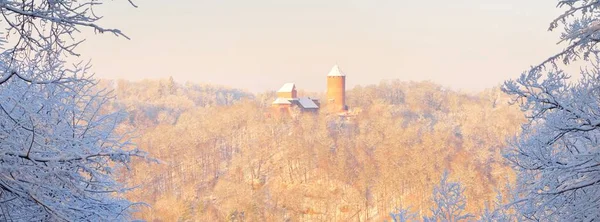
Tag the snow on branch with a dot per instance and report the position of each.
(45, 31)
(60, 147)
(581, 32)
(557, 153)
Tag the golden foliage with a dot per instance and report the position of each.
(230, 162)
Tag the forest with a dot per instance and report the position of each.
(74, 147)
(223, 158)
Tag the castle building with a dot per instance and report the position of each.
(287, 96)
(287, 99)
(288, 90)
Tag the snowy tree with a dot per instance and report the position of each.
(403, 215)
(498, 210)
(449, 201)
(581, 31)
(59, 149)
(557, 154)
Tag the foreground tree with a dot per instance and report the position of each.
(498, 210)
(403, 215)
(450, 203)
(557, 154)
(58, 148)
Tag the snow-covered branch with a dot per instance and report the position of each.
(581, 31)
(59, 145)
(45, 31)
(557, 154)
(60, 149)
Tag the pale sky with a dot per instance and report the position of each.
(259, 45)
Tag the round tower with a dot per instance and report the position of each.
(336, 89)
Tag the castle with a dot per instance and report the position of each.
(287, 96)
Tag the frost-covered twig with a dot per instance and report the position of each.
(60, 146)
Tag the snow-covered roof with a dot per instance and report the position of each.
(288, 87)
(281, 101)
(335, 71)
(307, 103)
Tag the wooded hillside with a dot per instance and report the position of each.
(222, 158)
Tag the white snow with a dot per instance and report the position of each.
(335, 71)
(288, 87)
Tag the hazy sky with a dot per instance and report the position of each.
(259, 45)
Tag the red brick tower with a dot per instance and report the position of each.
(336, 90)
